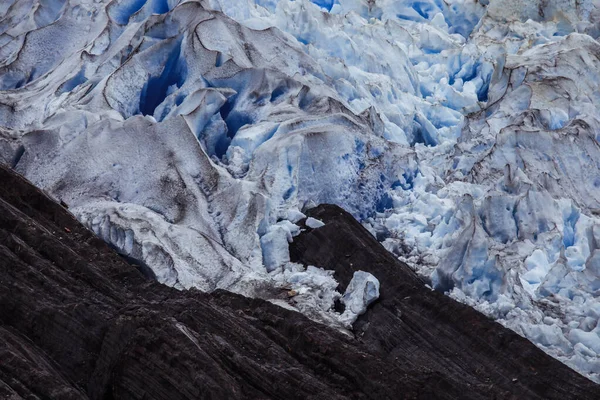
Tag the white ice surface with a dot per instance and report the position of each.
(313, 223)
(361, 292)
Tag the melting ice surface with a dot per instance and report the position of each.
(190, 135)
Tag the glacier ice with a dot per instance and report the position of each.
(191, 135)
(361, 292)
(313, 223)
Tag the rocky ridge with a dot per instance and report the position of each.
(79, 322)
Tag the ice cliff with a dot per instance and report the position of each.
(190, 135)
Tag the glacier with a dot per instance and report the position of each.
(191, 135)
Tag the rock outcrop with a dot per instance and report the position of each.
(79, 322)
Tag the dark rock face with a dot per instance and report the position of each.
(78, 322)
(456, 346)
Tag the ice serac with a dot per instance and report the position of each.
(362, 290)
(192, 135)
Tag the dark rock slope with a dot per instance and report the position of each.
(450, 342)
(77, 321)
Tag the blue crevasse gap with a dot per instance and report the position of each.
(569, 228)
(288, 193)
(471, 70)
(326, 4)
(277, 93)
(423, 134)
(233, 118)
(34, 75)
(460, 22)
(424, 9)
(359, 146)
(73, 82)
(486, 280)
(482, 93)
(156, 90)
(459, 19)
(292, 189)
(516, 220)
(386, 202)
(125, 10)
(409, 180)
(160, 6)
(225, 140)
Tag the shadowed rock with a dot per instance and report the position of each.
(78, 322)
(450, 342)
